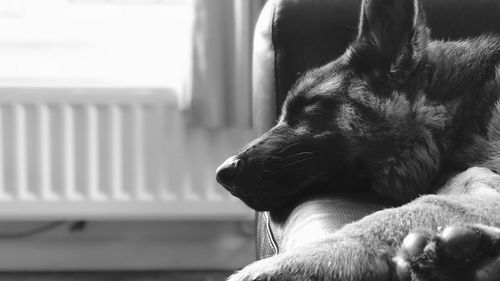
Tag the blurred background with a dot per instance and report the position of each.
(114, 115)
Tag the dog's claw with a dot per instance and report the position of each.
(403, 272)
(414, 244)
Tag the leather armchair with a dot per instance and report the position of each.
(293, 36)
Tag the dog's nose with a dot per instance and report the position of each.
(227, 171)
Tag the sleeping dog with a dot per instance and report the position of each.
(419, 121)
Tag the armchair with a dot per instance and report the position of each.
(293, 36)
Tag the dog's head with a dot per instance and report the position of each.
(353, 115)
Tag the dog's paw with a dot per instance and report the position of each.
(459, 253)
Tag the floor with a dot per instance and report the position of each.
(117, 276)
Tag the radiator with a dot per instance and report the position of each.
(110, 154)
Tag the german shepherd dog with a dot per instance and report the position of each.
(418, 118)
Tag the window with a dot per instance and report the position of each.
(94, 43)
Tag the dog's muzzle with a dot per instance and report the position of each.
(232, 173)
(227, 173)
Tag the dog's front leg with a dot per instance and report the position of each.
(335, 258)
(361, 251)
(364, 250)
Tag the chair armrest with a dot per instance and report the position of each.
(311, 219)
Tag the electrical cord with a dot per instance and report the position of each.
(32, 231)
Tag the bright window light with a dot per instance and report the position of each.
(94, 43)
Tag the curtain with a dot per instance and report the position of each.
(219, 89)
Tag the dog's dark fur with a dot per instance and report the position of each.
(405, 115)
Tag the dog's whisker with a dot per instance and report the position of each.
(267, 172)
(303, 153)
(298, 161)
(298, 156)
(288, 147)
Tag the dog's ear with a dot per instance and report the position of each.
(392, 37)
